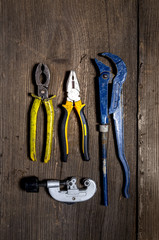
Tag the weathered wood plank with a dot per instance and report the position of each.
(65, 35)
(148, 121)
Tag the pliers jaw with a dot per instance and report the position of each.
(42, 71)
(72, 88)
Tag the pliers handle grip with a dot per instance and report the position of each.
(64, 126)
(33, 122)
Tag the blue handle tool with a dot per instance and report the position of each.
(103, 81)
(116, 108)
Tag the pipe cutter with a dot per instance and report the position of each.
(71, 193)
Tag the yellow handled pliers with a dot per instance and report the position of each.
(73, 100)
(42, 97)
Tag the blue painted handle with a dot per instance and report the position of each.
(104, 171)
(119, 132)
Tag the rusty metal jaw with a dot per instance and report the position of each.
(42, 79)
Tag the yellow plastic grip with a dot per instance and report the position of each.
(50, 123)
(33, 121)
(68, 106)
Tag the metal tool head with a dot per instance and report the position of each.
(103, 79)
(102, 67)
(72, 88)
(42, 79)
(118, 80)
(120, 66)
(72, 194)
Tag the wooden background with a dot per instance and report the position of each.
(66, 35)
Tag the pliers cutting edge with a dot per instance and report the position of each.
(42, 90)
(73, 100)
(116, 108)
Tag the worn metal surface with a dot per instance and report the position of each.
(43, 71)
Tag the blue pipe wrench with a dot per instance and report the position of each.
(116, 108)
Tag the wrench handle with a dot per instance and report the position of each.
(104, 168)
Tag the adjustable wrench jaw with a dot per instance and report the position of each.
(72, 194)
(103, 80)
(118, 81)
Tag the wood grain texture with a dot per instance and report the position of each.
(65, 35)
(148, 121)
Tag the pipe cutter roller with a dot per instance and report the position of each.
(116, 108)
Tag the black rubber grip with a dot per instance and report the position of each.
(31, 184)
(63, 136)
(85, 135)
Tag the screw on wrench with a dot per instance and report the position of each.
(71, 194)
(116, 108)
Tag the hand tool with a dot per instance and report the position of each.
(73, 100)
(71, 194)
(116, 108)
(42, 97)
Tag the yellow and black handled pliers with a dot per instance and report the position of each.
(73, 100)
(42, 97)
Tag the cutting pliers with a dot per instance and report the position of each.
(116, 108)
(42, 97)
(73, 100)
